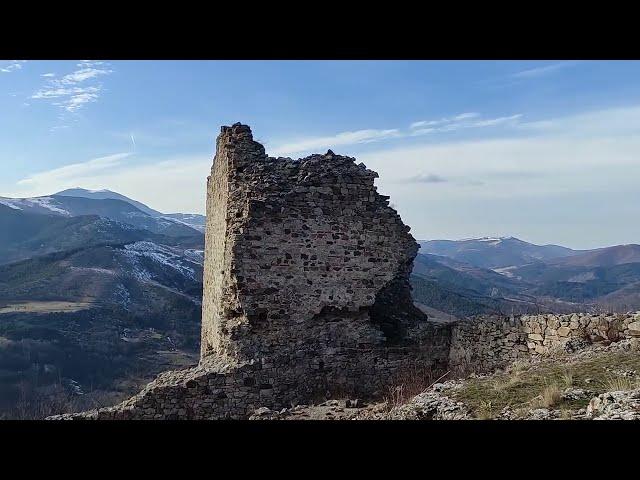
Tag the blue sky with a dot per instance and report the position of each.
(544, 150)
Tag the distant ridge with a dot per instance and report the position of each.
(106, 195)
(192, 220)
(494, 252)
(603, 257)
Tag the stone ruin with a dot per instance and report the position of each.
(307, 297)
(306, 291)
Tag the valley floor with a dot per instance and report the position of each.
(44, 307)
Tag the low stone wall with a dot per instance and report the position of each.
(486, 343)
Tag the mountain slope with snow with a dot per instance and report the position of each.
(192, 220)
(107, 195)
(493, 253)
(129, 312)
(113, 209)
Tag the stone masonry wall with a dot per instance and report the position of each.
(217, 390)
(306, 291)
(301, 241)
(484, 344)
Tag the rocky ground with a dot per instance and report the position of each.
(582, 382)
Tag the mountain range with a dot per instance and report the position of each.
(488, 252)
(192, 220)
(108, 204)
(98, 293)
(509, 275)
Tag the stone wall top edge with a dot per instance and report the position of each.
(527, 317)
(242, 132)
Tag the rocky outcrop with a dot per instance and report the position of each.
(623, 405)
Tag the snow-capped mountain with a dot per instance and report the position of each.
(116, 209)
(494, 252)
(107, 195)
(192, 220)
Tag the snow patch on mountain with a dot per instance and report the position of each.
(49, 204)
(196, 256)
(184, 220)
(46, 203)
(506, 271)
(9, 202)
(174, 258)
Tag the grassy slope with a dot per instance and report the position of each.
(522, 386)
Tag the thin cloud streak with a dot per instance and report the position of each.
(457, 118)
(73, 172)
(423, 127)
(544, 70)
(428, 178)
(345, 138)
(462, 121)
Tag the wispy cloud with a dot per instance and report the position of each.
(442, 121)
(464, 120)
(59, 127)
(71, 92)
(345, 138)
(144, 179)
(69, 174)
(428, 178)
(536, 181)
(422, 127)
(497, 121)
(544, 70)
(556, 150)
(11, 66)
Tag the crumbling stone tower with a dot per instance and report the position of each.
(292, 247)
(306, 291)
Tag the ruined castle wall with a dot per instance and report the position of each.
(306, 291)
(217, 390)
(309, 244)
(215, 278)
(483, 344)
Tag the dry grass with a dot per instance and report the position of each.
(541, 384)
(620, 384)
(551, 396)
(518, 366)
(44, 307)
(505, 382)
(566, 414)
(410, 383)
(486, 411)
